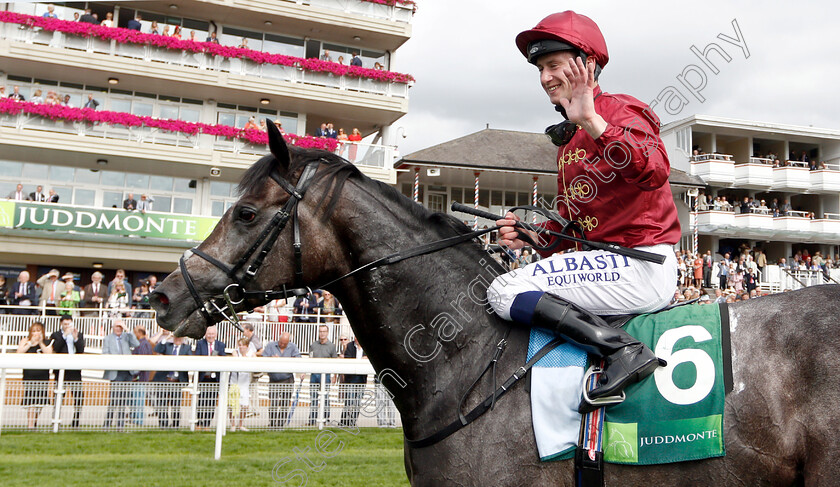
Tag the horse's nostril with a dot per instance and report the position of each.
(162, 299)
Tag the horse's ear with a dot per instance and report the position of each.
(277, 144)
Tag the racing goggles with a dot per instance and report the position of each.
(560, 134)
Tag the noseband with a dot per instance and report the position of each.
(221, 307)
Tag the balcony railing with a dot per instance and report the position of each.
(201, 61)
(712, 157)
(760, 223)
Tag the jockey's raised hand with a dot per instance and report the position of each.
(509, 235)
(580, 104)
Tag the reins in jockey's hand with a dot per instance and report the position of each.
(615, 248)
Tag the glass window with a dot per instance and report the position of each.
(112, 199)
(169, 111)
(119, 105)
(161, 183)
(457, 194)
(63, 195)
(162, 203)
(496, 197)
(525, 199)
(7, 187)
(34, 171)
(58, 173)
(142, 109)
(87, 176)
(113, 178)
(137, 181)
(10, 168)
(190, 115)
(510, 199)
(227, 119)
(182, 205)
(288, 121)
(217, 208)
(483, 197)
(218, 188)
(182, 185)
(84, 197)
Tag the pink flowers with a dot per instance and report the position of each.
(58, 112)
(128, 36)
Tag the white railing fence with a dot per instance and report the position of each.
(230, 397)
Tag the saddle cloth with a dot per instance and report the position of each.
(674, 415)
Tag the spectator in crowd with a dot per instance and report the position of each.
(119, 277)
(117, 301)
(38, 194)
(331, 133)
(280, 384)
(67, 102)
(280, 126)
(67, 339)
(321, 131)
(354, 137)
(50, 13)
(18, 194)
(724, 270)
(23, 294)
(95, 294)
(192, 36)
(244, 43)
(145, 203)
(152, 282)
(212, 38)
(119, 342)
(340, 59)
(134, 24)
(239, 391)
(355, 384)
(36, 97)
(303, 308)
(262, 127)
(177, 32)
(251, 124)
(154, 29)
(321, 348)
(697, 267)
(88, 17)
(165, 32)
(208, 346)
(138, 400)
(169, 384)
(326, 56)
(331, 308)
(4, 294)
(785, 208)
(70, 298)
(356, 61)
(53, 196)
(130, 203)
(140, 299)
(51, 289)
(35, 381)
(253, 338)
(75, 16)
(109, 20)
(16, 94)
(91, 103)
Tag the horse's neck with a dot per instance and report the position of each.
(424, 322)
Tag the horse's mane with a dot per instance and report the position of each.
(337, 171)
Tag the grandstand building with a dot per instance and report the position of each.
(111, 111)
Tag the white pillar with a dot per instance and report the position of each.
(194, 402)
(59, 398)
(221, 412)
(2, 390)
(322, 395)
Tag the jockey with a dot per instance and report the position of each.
(613, 182)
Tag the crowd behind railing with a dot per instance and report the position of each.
(800, 159)
(749, 204)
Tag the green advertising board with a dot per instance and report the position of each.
(45, 216)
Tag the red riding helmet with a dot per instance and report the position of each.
(570, 31)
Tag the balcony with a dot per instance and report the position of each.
(714, 169)
(793, 177)
(829, 224)
(797, 226)
(826, 179)
(757, 174)
(793, 222)
(757, 223)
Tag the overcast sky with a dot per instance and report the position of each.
(469, 72)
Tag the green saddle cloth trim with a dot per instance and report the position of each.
(675, 414)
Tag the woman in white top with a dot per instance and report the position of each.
(109, 20)
(239, 395)
(117, 301)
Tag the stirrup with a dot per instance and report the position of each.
(589, 404)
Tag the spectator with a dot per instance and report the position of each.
(4, 294)
(38, 194)
(35, 381)
(18, 194)
(67, 339)
(208, 346)
(70, 298)
(152, 279)
(331, 133)
(50, 13)
(356, 61)
(117, 301)
(239, 392)
(138, 400)
(140, 299)
(23, 294)
(170, 383)
(118, 343)
(262, 127)
(378, 66)
(697, 266)
(251, 124)
(16, 94)
(75, 16)
(88, 17)
(36, 97)
(279, 126)
(91, 103)
(723, 273)
(95, 294)
(355, 138)
(145, 203)
(321, 131)
(244, 43)
(109, 20)
(252, 337)
(154, 29)
(165, 32)
(177, 32)
(119, 277)
(53, 197)
(134, 24)
(280, 384)
(354, 388)
(212, 38)
(67, 103)
(192, 36)
(321, 348)
(340, 59)
(326, 56)
(785, 208)
(51, 289)
(130, 203)
(303, 308)
(331, 308)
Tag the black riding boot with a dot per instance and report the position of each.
(627, 359)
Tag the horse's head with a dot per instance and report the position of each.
(255, 245)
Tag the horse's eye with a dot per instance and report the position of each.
(247, 215)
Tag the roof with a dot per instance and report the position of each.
(505, 150)
(751, 126)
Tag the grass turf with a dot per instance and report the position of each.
(371, 457)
